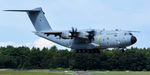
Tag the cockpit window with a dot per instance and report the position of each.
(115, 35)
(130, 33)
(127, 33)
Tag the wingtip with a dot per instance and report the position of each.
(5, 10)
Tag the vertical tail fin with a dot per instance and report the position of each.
(37, 18)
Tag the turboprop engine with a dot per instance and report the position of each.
(89, 35)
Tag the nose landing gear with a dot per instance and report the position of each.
(122, 49)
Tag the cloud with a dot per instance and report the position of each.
(41, 42)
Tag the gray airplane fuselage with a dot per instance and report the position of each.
(102, 40)
(79, 39)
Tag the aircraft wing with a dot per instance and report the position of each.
(52, 33)
(80, 36)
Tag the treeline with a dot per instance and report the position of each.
(25, 58)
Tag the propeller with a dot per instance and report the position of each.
(91, 35)
(73, 32)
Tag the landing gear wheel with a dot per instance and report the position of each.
(122, 50)
(77, 51)
(88, 51)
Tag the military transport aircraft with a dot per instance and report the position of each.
(89, 40)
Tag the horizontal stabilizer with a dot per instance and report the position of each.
(33, 10)
(23, 10)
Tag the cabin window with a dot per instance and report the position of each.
(103, 39)
(115, 35)
(107, 38)
(125, 33)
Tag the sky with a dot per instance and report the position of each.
(16, 28)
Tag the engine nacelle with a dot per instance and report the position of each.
(65, 35)
(83, 35)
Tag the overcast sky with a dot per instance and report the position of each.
(16, 28)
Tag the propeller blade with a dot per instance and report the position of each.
(72, 29)
(73, 32)
(91, 35)
(76, 30)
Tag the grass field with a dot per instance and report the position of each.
(12, 72)
(119, 73)
(46, 72)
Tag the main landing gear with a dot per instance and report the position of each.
(88, 51)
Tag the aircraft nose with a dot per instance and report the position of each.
(133, 39)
